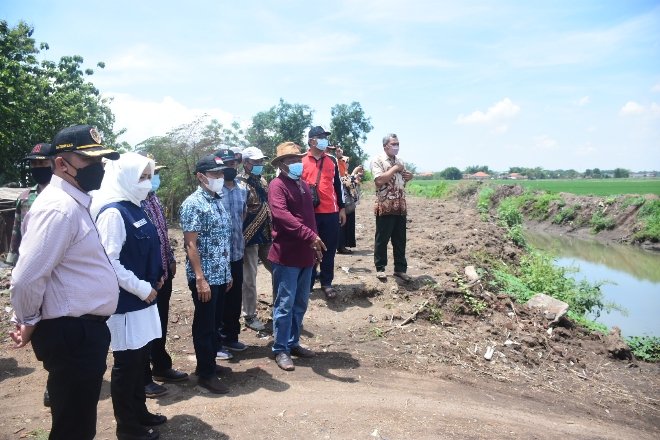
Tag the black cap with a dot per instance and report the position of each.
(39, 152)
(317, 131)
(210, 162)
(225, 154)
(84, 140)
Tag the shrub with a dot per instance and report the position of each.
(565, 215)
(600, 222)
(484, 200)
(645, 347)
(649, 218)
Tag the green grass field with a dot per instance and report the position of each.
(596, 187)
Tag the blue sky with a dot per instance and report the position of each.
(556, 84)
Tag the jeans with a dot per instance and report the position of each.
(327, 226)
(73, 351)
(231, 313)
(251, 258)
(206, 320)
(291, 286)
(390, 227)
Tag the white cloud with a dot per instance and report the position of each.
(656, 88)
(544, 142)
(500, 111)
(144, 119)
(586, 150)
(631, 108)
(583, 101)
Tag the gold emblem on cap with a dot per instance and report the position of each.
(94, 133)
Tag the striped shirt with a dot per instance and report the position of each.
(63, 269)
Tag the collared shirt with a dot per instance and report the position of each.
(390, 197)
(329, 188)
(234, 201)
(63, 269)
(200, 213)
(294, 224)
(258, 222)
(23, 205)
(154, 210)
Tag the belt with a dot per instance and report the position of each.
(94, 318)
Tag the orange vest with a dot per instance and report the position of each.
(326, 189)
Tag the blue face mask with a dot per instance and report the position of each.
(295, 170)
(257, 170)
(155, 182)
(321, 144)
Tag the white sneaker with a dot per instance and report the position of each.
(253, 323)
(224, 355)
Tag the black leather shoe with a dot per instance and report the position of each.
(170, 375)
(153, 390)
(152, 419)
(302, 352)
(150, 434)
(219, 370)
(213, 385)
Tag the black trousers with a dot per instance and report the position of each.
(347, 233)
(206, 321)
(390, 227)
(127, 389)
(160, 359)
(231, 314)
(73, 351)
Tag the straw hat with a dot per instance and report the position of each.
(284, 150)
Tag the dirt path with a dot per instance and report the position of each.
(375, 380)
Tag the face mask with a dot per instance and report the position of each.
(230, 174)
(141, 189)
(215, 185)
(321, 144)
(295, 170)
(257, 170)
(41, 175)
(394, 151)
(155, 182)
(89, 178)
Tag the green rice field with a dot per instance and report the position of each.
(596, 187)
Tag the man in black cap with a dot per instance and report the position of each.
(207, 239)
(63, 287)
(321, 173)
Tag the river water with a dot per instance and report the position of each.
(632, 275)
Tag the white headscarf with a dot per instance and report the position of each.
(121, 180)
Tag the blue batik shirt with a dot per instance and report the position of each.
(200, 213)
(234, 201)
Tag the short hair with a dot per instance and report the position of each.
(387, 138)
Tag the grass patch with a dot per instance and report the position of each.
(600, 222)
(437, 191)
(649, 219)
(566, 214)
(484, 201)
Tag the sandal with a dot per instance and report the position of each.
(330, 293)
(405, 277)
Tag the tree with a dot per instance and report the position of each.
(281, 123)
(620, 173)
(451, 173)
(476, 168)
(37, 99)
(349, 127)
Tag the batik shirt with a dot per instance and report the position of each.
(258, 223)
(201, 213)
(390, 197)
(23, 205)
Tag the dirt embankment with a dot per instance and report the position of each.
(611, 219)
(395, 360)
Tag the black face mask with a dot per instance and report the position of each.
(89, 178)
(41, 175)
(230, 173)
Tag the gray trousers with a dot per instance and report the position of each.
(251, 258)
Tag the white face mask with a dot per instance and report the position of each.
(141, 189)
(215, 185)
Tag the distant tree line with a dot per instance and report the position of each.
(453, 173)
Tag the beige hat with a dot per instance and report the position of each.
(284, 150)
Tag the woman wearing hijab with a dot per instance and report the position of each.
(132, 244)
